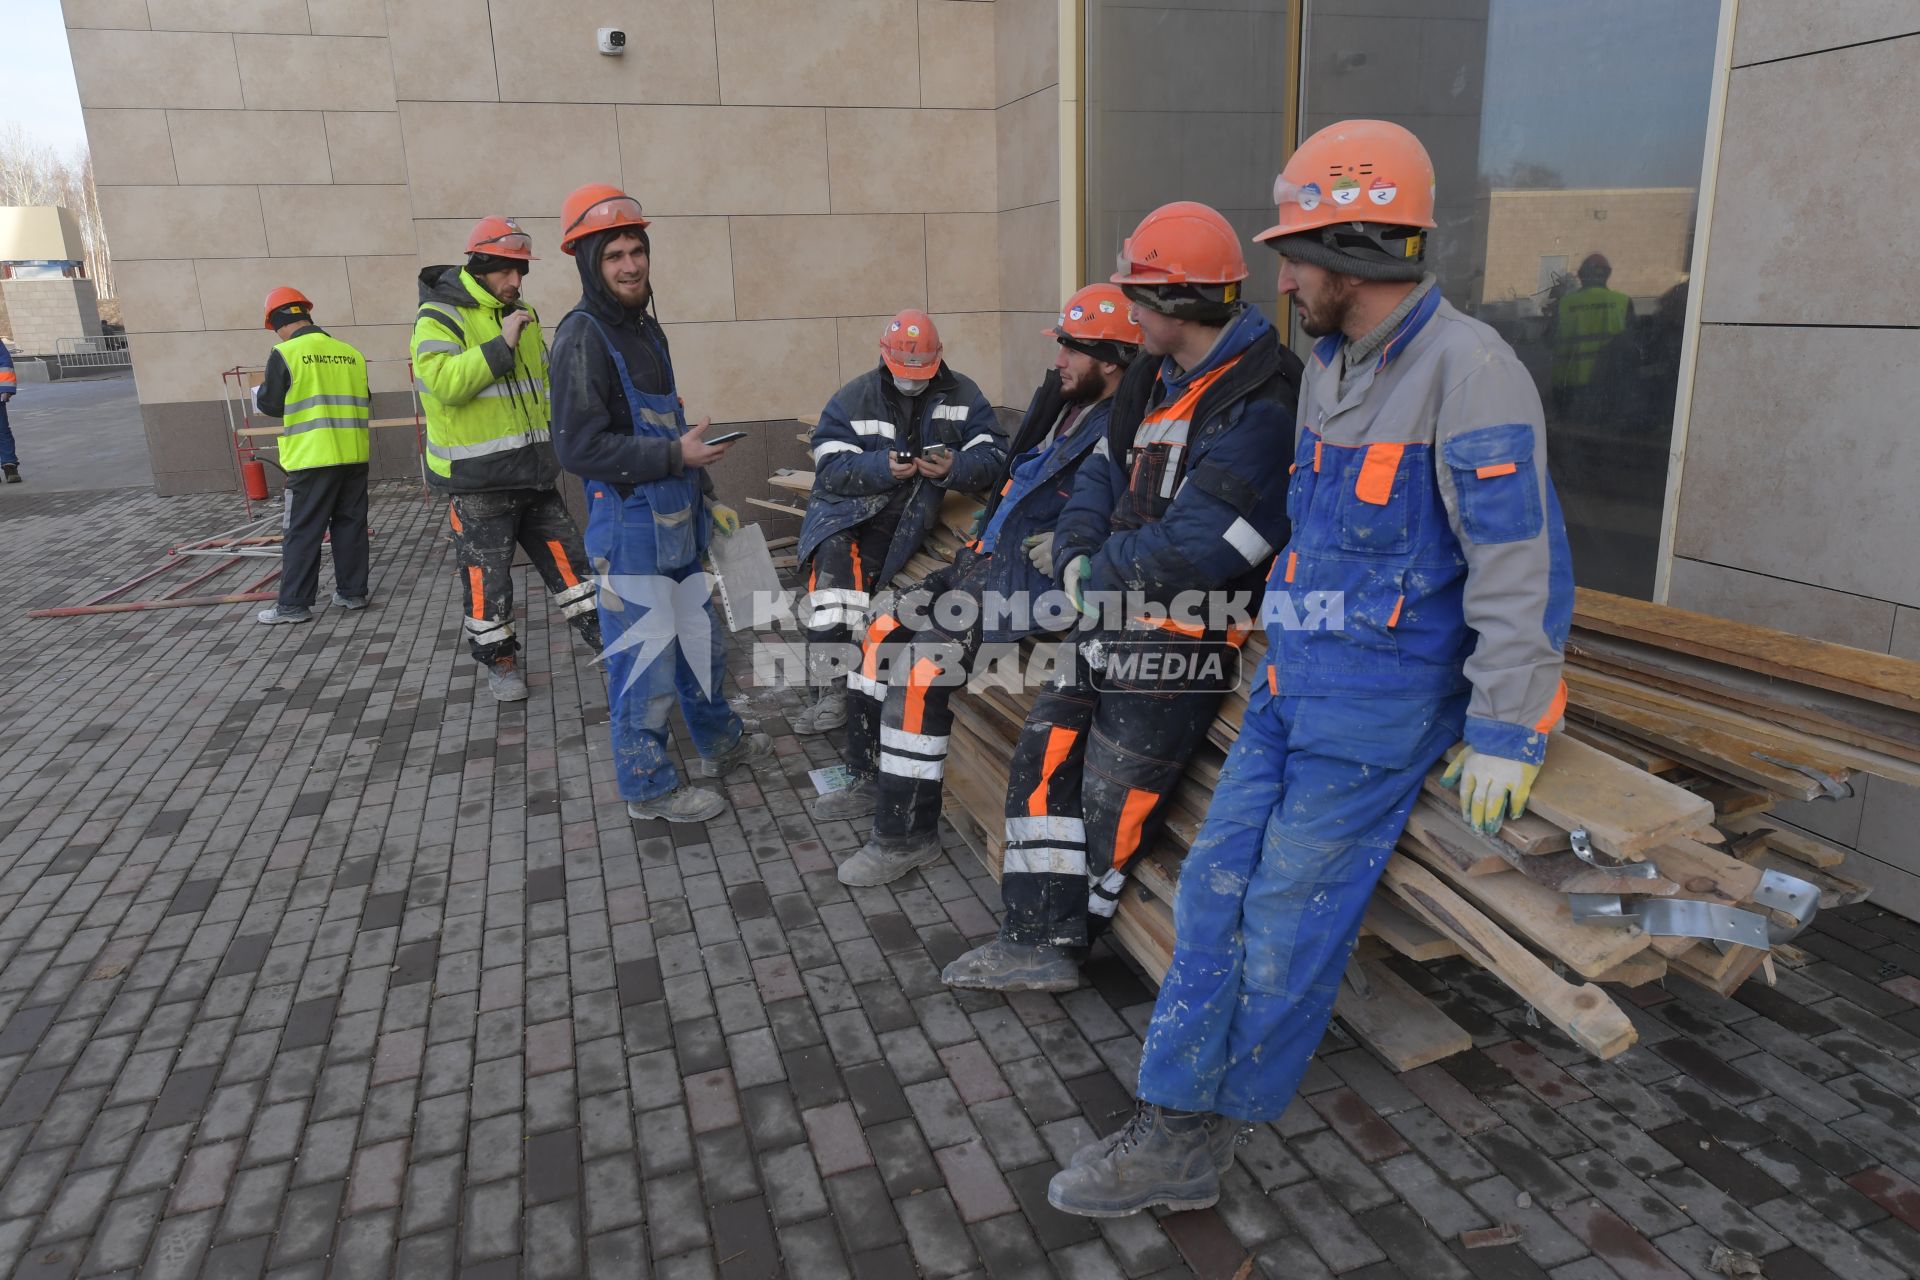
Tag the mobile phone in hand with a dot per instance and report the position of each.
(722, 439)
(936, 450)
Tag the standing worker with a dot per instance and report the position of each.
(1420, 497)
(1586, 323)
(481, 368)
(889, 447)
(1186, 494)
(9, 386)
(619, 424)
(317, 386)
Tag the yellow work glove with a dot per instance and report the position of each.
(1492, 788)
(725, 519)
(1078, 570)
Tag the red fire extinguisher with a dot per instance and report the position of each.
(253, 474)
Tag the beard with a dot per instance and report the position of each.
(1085, 390)
(1328, 313)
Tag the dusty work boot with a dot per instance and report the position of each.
(884, 861)
(1001, 965)
(350, 602)
(751, 747)
(1162, 1157)
(13, 472)
(1225, 1135)
(276, 614)
(856, 801)
(505, 681)
(685, 803)
(829, 712)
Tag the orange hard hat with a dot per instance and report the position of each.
(499, 237)
(597, 206)
(287, 298)
(1181, 243)
(1098, 320)
(910, 346)
(1354, 171)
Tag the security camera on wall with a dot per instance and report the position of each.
(612, 40)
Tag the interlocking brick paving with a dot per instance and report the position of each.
(313, 962)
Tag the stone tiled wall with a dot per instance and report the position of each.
(812, 168)
(41, 312)
(1796, 506)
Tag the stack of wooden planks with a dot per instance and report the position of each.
(1682, 730)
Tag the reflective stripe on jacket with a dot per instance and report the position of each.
(488, 424)
(324, 421)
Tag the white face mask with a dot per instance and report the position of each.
(908, 386)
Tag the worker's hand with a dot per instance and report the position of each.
(513, 325)
(899, 468)
(725, 519)
(934, 466)
(1040, 552)
(1492, 788)
(1078, 570)
(696, 452)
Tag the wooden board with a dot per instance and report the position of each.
(250, 433)
(1441, 825)
(788, 478)
(1529, 833)
(1704, 873)
(1397, 1022)
(1720, 974)
(1798, 845)
(1640, 757)
(1389, 922)
(1637, 971)
(781, 507)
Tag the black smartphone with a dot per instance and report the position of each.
(731, 435)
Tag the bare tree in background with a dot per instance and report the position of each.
(32, 173)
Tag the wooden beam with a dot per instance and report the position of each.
(1397, 1022)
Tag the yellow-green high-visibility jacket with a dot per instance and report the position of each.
(324, 420)
(1587, 320)
(486, 403)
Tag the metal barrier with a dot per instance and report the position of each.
(108, 351)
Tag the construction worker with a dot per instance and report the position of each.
(917, 653)
(1585, 324)
(9, 387)
(889, 447)
(1186, 495)
(619, 424)
(481, 368)
(1420, 500)
(317, 386)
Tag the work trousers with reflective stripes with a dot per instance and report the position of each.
(839, 587)
(1312, 799)
(486, 528)
(323, 504)
(1087, 790)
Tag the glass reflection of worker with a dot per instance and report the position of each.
(1586, 322)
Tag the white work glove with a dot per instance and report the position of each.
(1040, 552)
(1491, 787)
(1079, 569)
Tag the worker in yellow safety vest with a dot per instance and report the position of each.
(1585, 323)
(481, 369)
(317, 386)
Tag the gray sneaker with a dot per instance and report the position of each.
(278, 614)
(1014, 966)
(881, 862)
(505, 681)
(829, 713)
(856, 801)
(750, 748)
(685, 803)
(1161, 1157)
(1225, 1135)
(350, 602)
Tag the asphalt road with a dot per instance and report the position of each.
(84, 434)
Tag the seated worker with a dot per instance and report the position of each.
(1187, 494)
(1002, 574)
(889, 446)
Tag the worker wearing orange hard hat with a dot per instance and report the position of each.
(918, 648)
(889, 447)
(480, 366)
(1423, 511)
(620, 425)
(317, 386)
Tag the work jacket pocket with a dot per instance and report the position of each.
(1497, 492)
(1374, 502)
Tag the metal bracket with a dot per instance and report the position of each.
(1684, 918)
(1830, 787)
(1583, 850)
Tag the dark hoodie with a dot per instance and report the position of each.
(593, 432)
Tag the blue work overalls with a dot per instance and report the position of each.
(644, 543)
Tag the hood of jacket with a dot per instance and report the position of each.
(451, 286)
(1239, 334)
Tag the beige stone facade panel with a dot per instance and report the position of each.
(364, 147)
(753, 372)
(847, 53)
(837, 265)
(447, 183)
(348, 17)
(183, 222)
(385, 289)
(1027, 143)
(1797, 607)
(1026, 353)
(1030, 259)
(948, 160)
(108, 15)
(158, 296)
(956, 54)
(288, 17)
(1906, 634)
(546, 51)
(329, 73)
(1026, 40)
(155, 69)
(342, 220)
(232, 290)
(442, 51)
(692, 269)
(963, 261)
(385, 347)
(130, 148)
(237, 147)
(725, 160)
(170, 368)
(1771, 29)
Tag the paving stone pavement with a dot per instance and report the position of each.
(313, 962)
